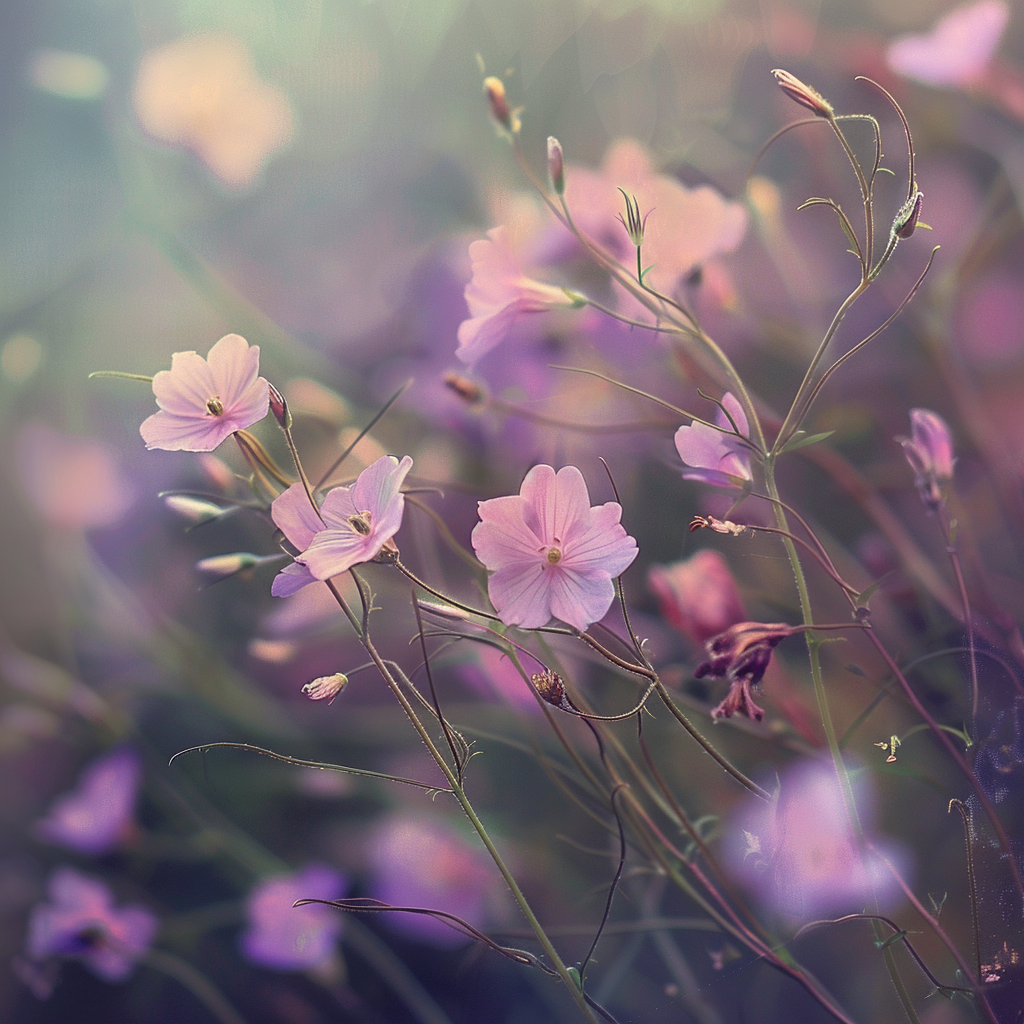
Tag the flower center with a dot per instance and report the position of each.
(360, 523)
(214, 406)
(554, 556)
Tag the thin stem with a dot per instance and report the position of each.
(954, 559)
(197, 983)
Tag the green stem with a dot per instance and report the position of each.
(197, 983)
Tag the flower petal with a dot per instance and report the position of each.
(520, 594)
(296, 517)
(580, 598)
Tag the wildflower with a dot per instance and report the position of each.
(202, 401)
(556, 165)
(202, 93)
(421, 863)
(929, 451)
(549, 552)
(96, 815)
(803, 94)
(353, 525)
(290, 938)
(81, 921)
(326, 687)
(800, 852)
(741, 653)
(698, 596)
(716, 457)
(499, 293)
(957, 51)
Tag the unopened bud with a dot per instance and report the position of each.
(195, 510)
(279, 407)
(551, 689)
(500, 110)
(326, 687)
(229, 565)
(556, 165)
(468, 390)
(905, 223)
(634, 224)
(803, 94)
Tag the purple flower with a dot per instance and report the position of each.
(353, 526)
(499, 293)
(697, 596)
(549, 552)
(958, 49)
(800, 853)
(418, 863)
(202, 401)
(81, 921)
(290, 938)
(713, 456)
(929, 450)
(96, 815)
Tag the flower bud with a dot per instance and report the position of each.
(195, 510)
(279, 407)
(229, 565)
(500, 110)
(468, 390)
(930, 453)
(326, 687)
(551, 689)
(906, 220)
(632, 222)
(556, 165)
(803, 94)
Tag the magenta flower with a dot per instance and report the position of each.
(353, 526)
(290, 938)
(549, 552)
(929, 450)
(697, 596)
(97, 814)
(713, 456)
(202, 401)
(81, 921)
(958, 49)
(420, 863)
(499, 293)
(800, 853)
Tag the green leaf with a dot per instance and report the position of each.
(802, 440)
(869, 592)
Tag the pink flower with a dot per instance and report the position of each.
(930, 453)
(958, 49)
(697, 596)
(549, 552)
(713, 456)
(499, 293)
(290, 938)
(81, 921)
(96, 815)
(353, 526)
(800, 853)
(202, 401)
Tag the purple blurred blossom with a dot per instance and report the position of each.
(289, 938)
(800, 854)
(698, 596)
(96, 815)
(420, 863)
(73, 483)
(549, 552)
(712, 456)
(957, 51)
(81, 921)
(202, 401)
(929, 450)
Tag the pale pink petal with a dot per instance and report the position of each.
(557, 500)
(495, 268)
(502, 536)
(234, 365)
(173, 433)
(338, 507)
(521, 595)
(291, 579)
(732, 406)
(479, 335)
(335, 551)
(186, 387)
(296, 517)
(599, 543)
(378, 490)
(580, 598)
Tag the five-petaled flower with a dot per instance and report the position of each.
(353, 525)
(929, 450)
(202, 401)
(719, 457)
(549, 552)
(499, 293)
(81, 921)
(741, 654)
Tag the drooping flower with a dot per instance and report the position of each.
(800, 853)
(353, 526)
(717, 457)
(201, 92)
(290, 938)
(202, 401)
(421, 863)
(499, 293)
(549, 552)
(929, 450)
(81, 921)
(698, 596)
(957, 51)
(97, 814)
(741, 654)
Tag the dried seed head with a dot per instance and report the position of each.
(551, 689)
